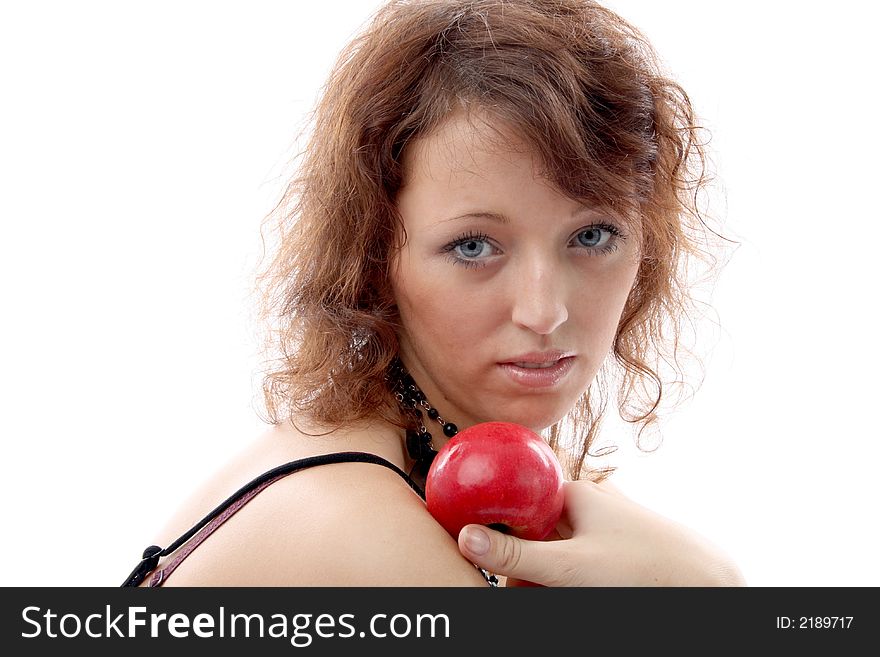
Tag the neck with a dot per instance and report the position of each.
(416, 407)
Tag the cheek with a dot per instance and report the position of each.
(435, 312)
(599, 310)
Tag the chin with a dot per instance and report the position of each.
(542, 410)
(538, 418)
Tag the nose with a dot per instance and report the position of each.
(539, 298)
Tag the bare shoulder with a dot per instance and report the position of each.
(337, 524)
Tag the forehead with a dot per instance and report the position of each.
(471, 143)
(477, 157)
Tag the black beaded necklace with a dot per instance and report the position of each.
(414, 403)
(418, 441)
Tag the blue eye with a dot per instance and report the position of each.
(471, 248)
(593, 236)
(599, 238)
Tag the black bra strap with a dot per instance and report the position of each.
(153, 553)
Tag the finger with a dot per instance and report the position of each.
(580, 496)
(513, 582)
(533, 561)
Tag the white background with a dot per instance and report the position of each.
(142, 143)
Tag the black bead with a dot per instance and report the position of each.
(414, 445)
(412, 399)
(424, 465)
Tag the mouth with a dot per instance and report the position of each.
(535, 373)
(534, 366)
(538, 359)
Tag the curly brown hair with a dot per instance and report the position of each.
(583, 87)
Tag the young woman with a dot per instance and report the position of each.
(492, 221)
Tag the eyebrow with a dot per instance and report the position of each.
(504, 219)
(493, 216)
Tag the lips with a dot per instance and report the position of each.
(538, 370)
(534, 366)
(536, 359)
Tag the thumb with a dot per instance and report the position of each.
(507, 555)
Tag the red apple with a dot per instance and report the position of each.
(498, 474)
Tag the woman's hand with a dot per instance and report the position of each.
(603, 539)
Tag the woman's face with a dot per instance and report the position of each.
(509, 292)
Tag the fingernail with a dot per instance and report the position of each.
(476, 540)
